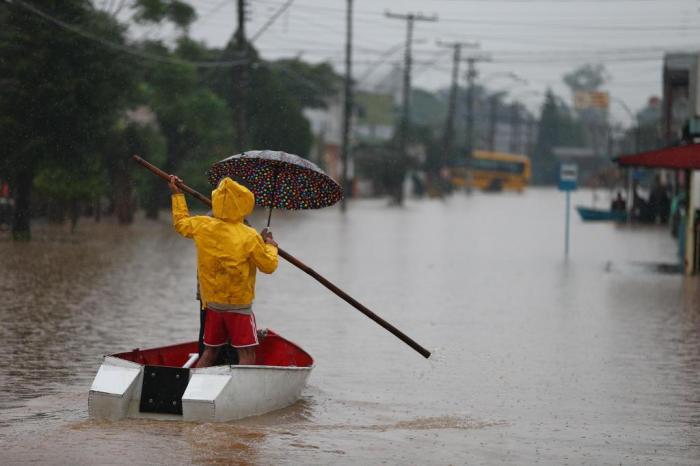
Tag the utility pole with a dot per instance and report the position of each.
(493, 118)
(471, 76)
(472, 73)
(514, 128)
(347, 109)
(448, 135)
(410, 18)
(240, 81)
(493, 113)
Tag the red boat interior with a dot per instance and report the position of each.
(272, 351)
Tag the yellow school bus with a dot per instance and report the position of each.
(493, 171)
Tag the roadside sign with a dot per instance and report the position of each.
(568, 177)
(591, 99)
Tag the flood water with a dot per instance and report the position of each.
(594, 360)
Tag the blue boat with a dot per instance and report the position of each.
(589, 214)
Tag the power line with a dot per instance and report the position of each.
(380, 61)
(330, 9)
(214, 9)
(376, 15)
(121, 47)
(558, 1)
(324, 25)
(272, 19)
(612, 27)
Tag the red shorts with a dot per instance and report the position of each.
(230, 327)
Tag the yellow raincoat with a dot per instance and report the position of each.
(228, 251)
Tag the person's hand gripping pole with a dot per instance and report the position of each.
(173, 184)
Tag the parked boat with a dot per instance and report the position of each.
(589, 214)
(158, 383)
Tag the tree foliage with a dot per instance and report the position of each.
(276, 119)
(73, 104)
(312, 84)
(155, 11)
(274, 100)
(587, 77)
(63, 95)
(557, 127)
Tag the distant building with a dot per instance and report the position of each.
(651, 114)
(677, 73)
(327, 129)
(373, 124)
(374, 117)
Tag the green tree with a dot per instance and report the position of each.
(155, 11)
(587, 77)
(428, 109)
(192, 126)
(65, 187)
(128, 138)
(311, 84)
(61, 95)
(196, 124)
(276, 115)
(557, 127)
(276, 94)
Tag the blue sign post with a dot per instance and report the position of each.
(568, 181)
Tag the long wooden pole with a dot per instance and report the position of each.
(299, 264)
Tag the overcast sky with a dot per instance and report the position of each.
(539, 40)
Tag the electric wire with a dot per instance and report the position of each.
(122, 47)
(271, 20)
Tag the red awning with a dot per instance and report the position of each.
(679, 158)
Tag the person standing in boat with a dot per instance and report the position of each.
(229, 253)
(618, 204)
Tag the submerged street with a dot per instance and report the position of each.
(536, 359)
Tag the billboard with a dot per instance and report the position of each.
(591, 99)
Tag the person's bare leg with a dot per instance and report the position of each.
(208, 357)
(246, 356)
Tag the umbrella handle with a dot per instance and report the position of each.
(274, 193)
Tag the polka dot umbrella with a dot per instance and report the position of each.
(279, 180)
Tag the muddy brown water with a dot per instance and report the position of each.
(594, 360)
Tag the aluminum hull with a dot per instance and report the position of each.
(212, 394)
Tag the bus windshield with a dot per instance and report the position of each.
(497, 165)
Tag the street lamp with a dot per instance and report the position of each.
(505, 74)
(526, 92)
(633, 117)
(630, 182)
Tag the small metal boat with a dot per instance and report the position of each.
(158, 383)
(589, 214)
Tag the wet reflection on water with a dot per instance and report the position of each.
(591, 360)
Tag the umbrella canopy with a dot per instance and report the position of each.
(279, 179)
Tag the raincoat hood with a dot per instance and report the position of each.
(231, 202)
